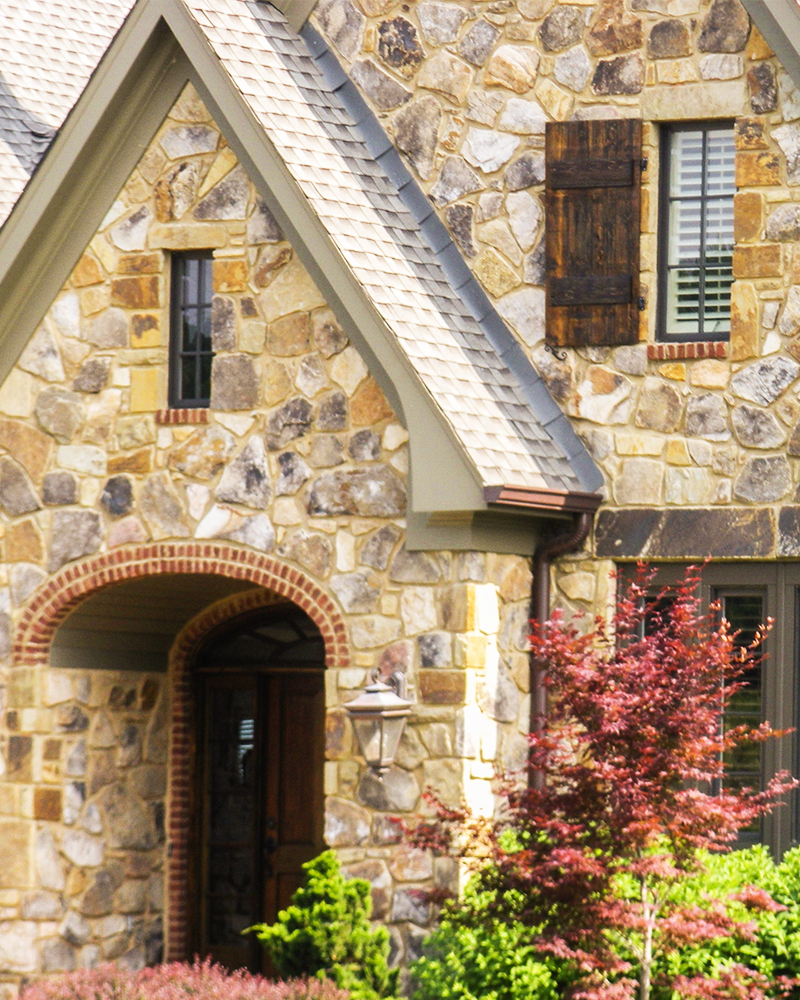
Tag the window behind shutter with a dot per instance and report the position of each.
(592, 232)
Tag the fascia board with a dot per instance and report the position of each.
(84, 170)
(297, 12)
(779, 23)
(442, 475)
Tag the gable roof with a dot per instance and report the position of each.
(477, 413)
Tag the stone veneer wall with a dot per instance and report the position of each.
(699, 445)
(280, 472)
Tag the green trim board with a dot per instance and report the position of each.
(779, 23)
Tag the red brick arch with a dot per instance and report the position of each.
(73, 584)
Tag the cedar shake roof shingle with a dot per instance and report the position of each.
(484, 386)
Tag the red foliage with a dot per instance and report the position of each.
(177, 981)
(632, 756)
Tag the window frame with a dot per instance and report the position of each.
(176, 312)
(667, 131)
(780, 585)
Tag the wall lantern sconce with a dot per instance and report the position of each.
(379, 716)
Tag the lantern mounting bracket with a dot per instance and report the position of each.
(395, 680)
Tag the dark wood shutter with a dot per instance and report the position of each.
(593, 195)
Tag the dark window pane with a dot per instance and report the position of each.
(191, 353)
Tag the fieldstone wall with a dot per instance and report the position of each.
(682, 433)
(299, 459)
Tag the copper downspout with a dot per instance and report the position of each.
(545, 552)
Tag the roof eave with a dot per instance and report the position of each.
(541, 499)
(779, 23)
(297, 12)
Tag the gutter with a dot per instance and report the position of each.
(546, 551)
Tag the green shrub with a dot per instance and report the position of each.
(326, 932)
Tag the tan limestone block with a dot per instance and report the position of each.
(578, 586)
(469, 650)
(711, 374)
(151, 164)
(47, 804)
(744, 321)
(757, 261)
(748, 215)
(222, 165)
(16, 836)
(672, 71)
(513, 67)
(757, 169)
(187, 236)
(138, 463)
(145, 330)
(446, 74)
(675, 370)
(105, 253)
(139, 292)
(289, 335)
(556, 102)
(94, 300)
(272, 260)
(18, 394)
(757, 47)
(638, 444)
(277, 382)
(292, 290)
(144, 390)
(369, 405)
(87, 272)
(24, 542)
(796, 265)
(230, 275)
(748, 133)
(494, 274)
(694, 101)
(677, 453)
(442, 687)
(252, 337)
(30, 447)
(140, 263)
(137, 189)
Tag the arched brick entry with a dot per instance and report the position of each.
(51, 605)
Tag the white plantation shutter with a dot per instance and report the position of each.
(700, 233)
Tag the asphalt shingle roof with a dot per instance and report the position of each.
(47, 54)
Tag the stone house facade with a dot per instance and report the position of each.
(196, 580)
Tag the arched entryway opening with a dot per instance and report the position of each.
(258, 705)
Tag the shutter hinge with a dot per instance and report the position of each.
(561, 355)
(642, 303)
(643, 163)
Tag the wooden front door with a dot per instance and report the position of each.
(261, 716)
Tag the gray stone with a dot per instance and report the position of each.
(525, 171)
(379, 547)
(789, 532)
(127, 822)
(161, 507)
(632, 359)
(175, 194)
(707, 417)
(223, 324)
(262, 226)
(659, 407)
(572, 68)
(130, 748)
(398, 45)
(58, 956)
(202, 455)
(326, 451)
(234, 383)
(288, 422)
(764, 381)
(311, 550)
(188, 140)
(384, 92)
(414, 567)
(17, 495)
(59, 489)
(257, 532)
(669, 40)
(364, 446)
(75, 929)
(523, 116)
(329, 337)
(756, 428)
(293, 472)
(70, 719)
(332, 413)
(417, 132)
(413, 905)
(483, 106)
(75, 533)
(93, 375)
(783, 224)
(117, 496)
(562, 28)
(620, 75)
(99, 897)
(25, 578)
(5, 634)
(535, 265)
(357, 592)
(42, 357)
(246, 479)
(60, 413)
(488, 149)
(790, 96)
(109, 329)
(373, 492)
(48, 864)
(398, 790)
(788, 138)
(763, 88)
(346, 825)
(131, 233)
(435, 649)
(227, 199)
(498, 696)
(440, 22)
(456, 179)
(343, 24)
(639, 482)
(81, 849)
(725, 27)
(42, 906)
(763, 480)
(459, 222)
(478, 42)
(471, 566)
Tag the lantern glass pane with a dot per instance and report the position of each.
(368, 733)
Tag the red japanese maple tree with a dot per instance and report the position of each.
(632, 754)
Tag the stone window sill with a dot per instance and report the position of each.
(687, 351)
(185, 415)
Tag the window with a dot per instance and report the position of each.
(696, 232)
(191, 353)
(748, 595)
